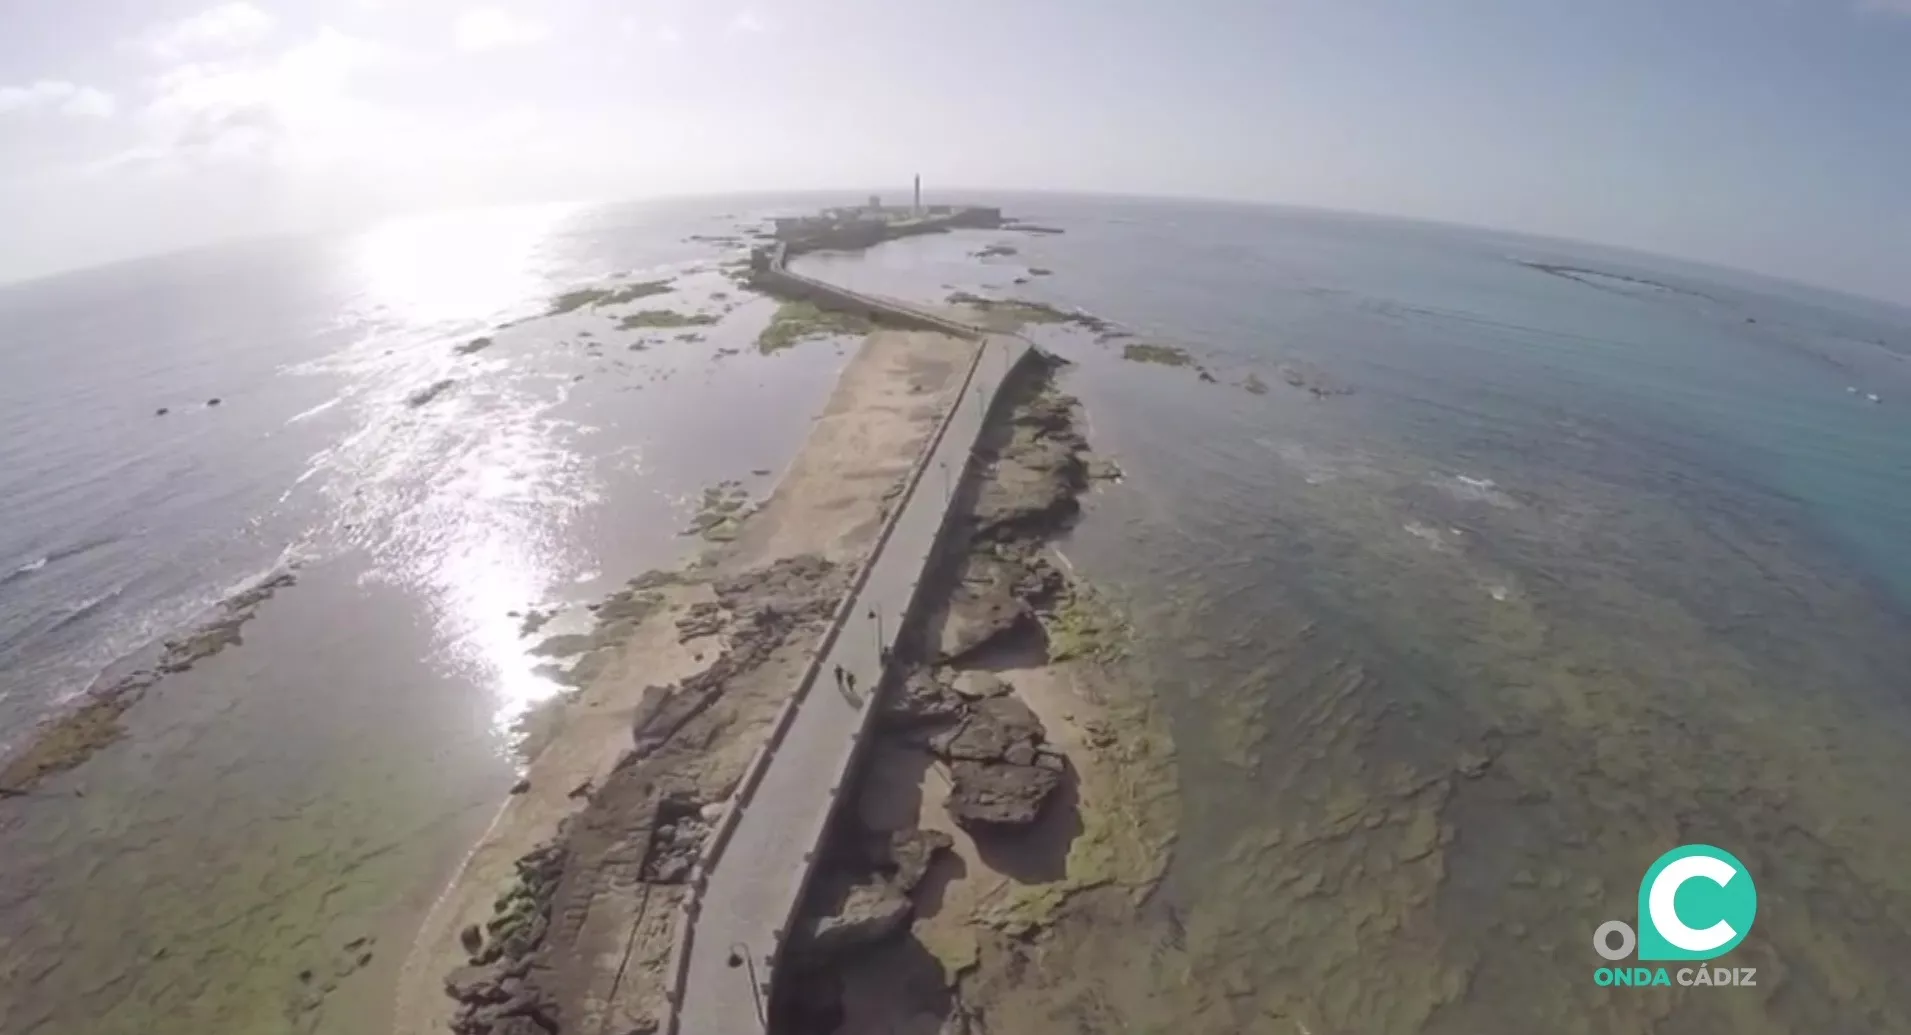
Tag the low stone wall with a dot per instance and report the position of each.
(777, 280)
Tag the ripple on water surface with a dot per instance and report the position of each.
(1434, 723)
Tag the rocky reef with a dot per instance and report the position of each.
(597, 297)
(951, 700)
(74, 737)
(612, 878)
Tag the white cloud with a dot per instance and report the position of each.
(279, 109)
(57, 95)
(88, 102)
(492, 28)
(747, 20)
(668, 35)
(229, 26)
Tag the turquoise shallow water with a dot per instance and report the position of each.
(1588, 565)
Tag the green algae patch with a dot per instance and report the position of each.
(571, 301)
(1011, 310)
(1086, 625)
(1127, 786)
(646, 319)
(1164, 355)
(1010, 313)
(1129, 811)
(797, 320)
(64, 744)
(73, 738)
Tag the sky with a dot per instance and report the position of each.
(1770, 135)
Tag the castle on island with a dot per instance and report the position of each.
(859, 226)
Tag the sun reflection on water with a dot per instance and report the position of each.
(468, 498)
(460, 265)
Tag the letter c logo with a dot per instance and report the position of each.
(1665, 889)
(1715, 892)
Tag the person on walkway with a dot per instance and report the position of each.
(839, 678)
(851, 692)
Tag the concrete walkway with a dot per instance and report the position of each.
(760, 874)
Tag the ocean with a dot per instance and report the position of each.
(1516, 563)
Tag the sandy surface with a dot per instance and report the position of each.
(830, 503)
(860, 447)
(1007, 919)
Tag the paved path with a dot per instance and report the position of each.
(758, 878)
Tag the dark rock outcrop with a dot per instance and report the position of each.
(1002, 773)
(920, 701)
(429, 392)
(990, 728)
(907, 855)
(675, 841)
(704, 619)
(997, 774)
(629, 852)
(493, 996)
(871, 912)
(976, 686)
(1038, 473)
(998, 794)
(978, 613)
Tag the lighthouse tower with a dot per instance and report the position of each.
(918, 208)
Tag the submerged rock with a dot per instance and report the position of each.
(429, 392)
